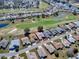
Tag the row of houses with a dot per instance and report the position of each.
(19, 4)
(55, 45)
(52, 47)
(31, 38)
(58, 6)
(62, 5)
(42, 35)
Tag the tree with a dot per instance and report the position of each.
(43, 16)
(56, 14)
(37, 4)
(1, 3)
(75, 50)
(11, 19)
(40, 29)
(74, 13)
(56, 54)
(22, 20)
(38, 16)
(27, 32)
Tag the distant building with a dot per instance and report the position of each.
(19, 3)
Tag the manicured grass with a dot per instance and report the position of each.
(23, 55)
(36, 24)
(3, 51)
(3, 58)
(71, 17)
(44, 22)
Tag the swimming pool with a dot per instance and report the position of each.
(2, 25)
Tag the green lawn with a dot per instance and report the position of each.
(36, 24)
(23, 55)
(3, 51)
(46, 22)
(3, 58)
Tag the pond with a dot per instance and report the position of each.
(2, 25)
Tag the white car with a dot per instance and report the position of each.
(70, 38)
